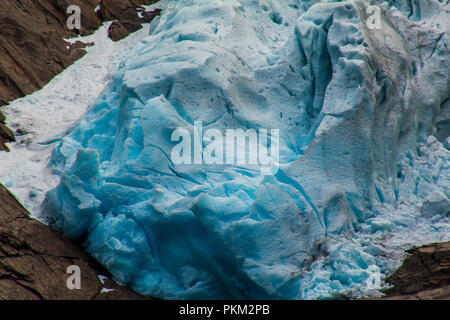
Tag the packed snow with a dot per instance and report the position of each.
(360, 176)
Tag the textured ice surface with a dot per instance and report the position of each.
(361, 175)
(42, 118)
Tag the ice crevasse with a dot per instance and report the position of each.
(362, 114)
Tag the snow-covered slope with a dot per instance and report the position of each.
(42, 118)
(360, 176)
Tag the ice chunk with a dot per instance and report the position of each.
(436, 203)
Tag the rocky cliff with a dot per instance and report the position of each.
(34, 261)
(424, 275)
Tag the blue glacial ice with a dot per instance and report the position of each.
(364, 168)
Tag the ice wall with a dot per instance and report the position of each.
(356, 108)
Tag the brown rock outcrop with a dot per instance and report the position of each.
(130, 22)
(6, 134)
(34, 261)
(424, 275)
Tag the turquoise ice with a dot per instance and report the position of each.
(356, 108)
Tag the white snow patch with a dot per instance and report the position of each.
(149, 8)
(103, 279)
(158, 5)
(98, 7)
(44, 116)
(106, 290)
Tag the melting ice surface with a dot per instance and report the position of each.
(364, 160)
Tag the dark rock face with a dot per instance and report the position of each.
(32, 49)
(126, 14)
(34, 261)
(6, 135)
(32, 46)
(128, 24)
(425, 274)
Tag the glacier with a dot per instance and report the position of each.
(363, 170)
(41, 118)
